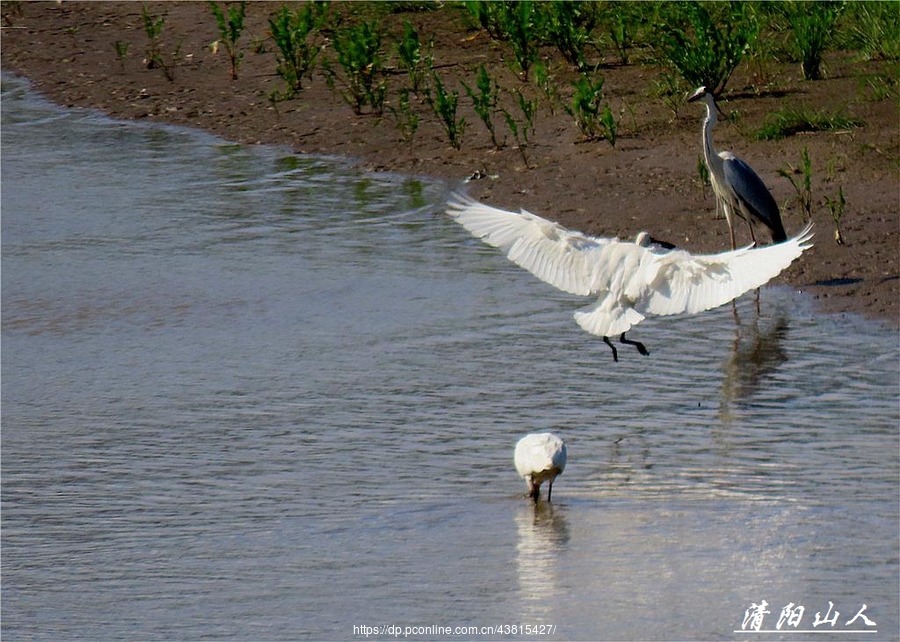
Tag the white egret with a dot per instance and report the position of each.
(540, 457)
(630, 281)
(738, 189)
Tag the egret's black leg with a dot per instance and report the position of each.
(637, 344)
(613, 348)
(550, 490)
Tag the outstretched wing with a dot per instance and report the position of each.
(546, 249)
(685, 283)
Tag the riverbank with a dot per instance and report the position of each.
(93, 55)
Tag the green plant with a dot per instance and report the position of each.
(568, 26)
(230, 29)
(528, 109)
(792, 120)
(703, 172)
(518, 22)
(704, 47)
(296, 57)
(812, 26)
(153, 27)
(593, 119)
(417, 65)
(803, 187)
(873, 29)
(485, 101)
(359, 53)
(406, 120)
(837, 213)
(546, 84)
(121, 50)
(445, 104)
(670, 92)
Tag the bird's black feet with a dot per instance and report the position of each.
(613, 348)
(637, 344)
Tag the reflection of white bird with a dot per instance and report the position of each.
(631, 281)
(540, 457)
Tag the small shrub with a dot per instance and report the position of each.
(837, 213)
(445, 105)
(485, 101)
(587, 109)
(153, 27)
(417, 65)
(528, 109)
(406, 120)
(803, 187)
(517, 22)
(359, 53)
(230, 29)
(705, 49)
(569, 26)
(296, 57)
(812, 27)
(873, 29)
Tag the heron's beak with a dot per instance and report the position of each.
(697, 95)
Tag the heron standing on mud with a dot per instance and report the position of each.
(738, 189)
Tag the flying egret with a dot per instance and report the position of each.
(540, 457)
(738, 189)
(630, 281)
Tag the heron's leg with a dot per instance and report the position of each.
(637, 344)
(750, 227)
(728, 220)
(533, 489)
(613, 348)
(550, 490)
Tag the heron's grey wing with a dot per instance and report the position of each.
(552, 253)
(686, 283)
(749, 188)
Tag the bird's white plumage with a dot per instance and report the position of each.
(629, 281)
(540, 457)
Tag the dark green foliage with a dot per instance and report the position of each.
(812, 28)
(587, 109)
(705, 42)
(485, 101)
(417, 65)
(445, 103)
(292, 32)
(569, 26)
(359, 53)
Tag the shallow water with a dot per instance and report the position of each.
(253, 395)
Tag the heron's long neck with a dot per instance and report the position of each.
(712, 158)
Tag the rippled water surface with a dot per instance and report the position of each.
(253, 395)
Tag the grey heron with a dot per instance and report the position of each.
(630, 281)
(738, 189)
(540, 457)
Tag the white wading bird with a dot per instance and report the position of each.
(540, 457)
(630, 280)
(738, 189)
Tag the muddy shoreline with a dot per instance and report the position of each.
(649, 180)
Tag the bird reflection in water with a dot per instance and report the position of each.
(543, 536)
(756, 354)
